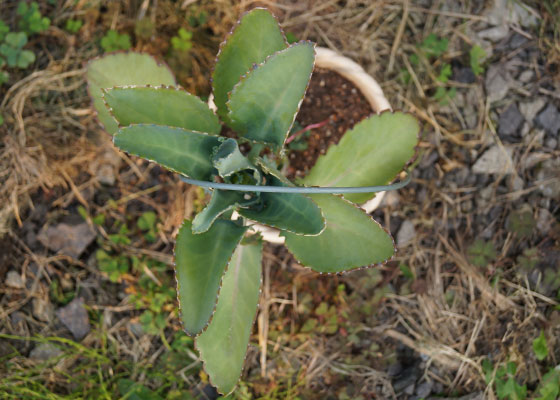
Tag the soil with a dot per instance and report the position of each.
(329, 97)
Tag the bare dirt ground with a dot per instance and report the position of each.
(87, 303)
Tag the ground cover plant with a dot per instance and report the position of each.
(258, 84)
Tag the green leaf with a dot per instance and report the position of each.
(177, 149)
(540, 347)
(351, 239)
(476, 56)
(221, 202)
(292, 212)
(229, 160)
(123, 69)
(255, 37)
(4, 29)
(223, 345)
(549, 388)
(16, 40)
(25, 58)
(114, 41)
(372, 153)
(135, 391)
(147, 220)
(200, 261)
(161, 106)
(263, 105)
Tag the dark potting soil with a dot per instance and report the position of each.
(332, 98)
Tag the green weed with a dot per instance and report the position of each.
(114, 41)
(30, 19)
(73, 25)
(481, 253)
(182, 42)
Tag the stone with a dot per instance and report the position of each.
(424, 389)
(495, 160)
(45, 352)
(17, 317)
(549, 119)
(406, 233)
(14, 280)
(105, 174)
(497, 83)
(544, 221)
(506, 12)
(510, 121)
(494, 34)
(550, 172)
(551, 143)
(526, 76)
(67, 239)
(42, 309)
(464, 75)
(530, 109)
(75, 317)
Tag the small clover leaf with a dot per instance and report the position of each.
(182, 42)
(114, 41)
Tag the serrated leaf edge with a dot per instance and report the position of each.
(197, 334)
(99, 57)
(177, 88)
(279, 148)
(352, 268)
(248, 343)
(220, 138)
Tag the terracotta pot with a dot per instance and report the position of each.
(328, 59)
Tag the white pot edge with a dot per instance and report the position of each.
(329, 59)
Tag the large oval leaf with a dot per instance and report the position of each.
(351, 239)
(256, 36)
(161, 106)
(180, 150)
(121, 69)
(200, 261)
(372, 153)
(293, 212)
(223, 345)
(264, 104)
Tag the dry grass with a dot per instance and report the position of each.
(458, 317)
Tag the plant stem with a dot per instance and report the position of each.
(307, 128)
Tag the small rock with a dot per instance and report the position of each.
(17, 317)
(516, 183)
(516, 41)
(14, 280)
(45, 352)
(409, 389)
(510, 121)
(74, 316)
(67, 239)
(406, 233)
(42, 309)
(105, 175)
(551, 143)
(530, 109)
(494, 161)
(136, 329)
(497, 83)
(526, 76)
(424, 389)
(544, 221)
(549, 119)
(464, 75)
(550, 171)
(511, 12)
(494, 34)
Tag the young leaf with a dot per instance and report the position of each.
(161, 106)
(351, 239)
(549, 388)
(229, 160)
(200, 263)
(372, 153)
(255, 37)
(123, 69)
(263, 105)
(178, 149)
(292, 212)
(223, 345)
(540, 347)
(221, 202)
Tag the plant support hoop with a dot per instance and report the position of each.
(296, 189)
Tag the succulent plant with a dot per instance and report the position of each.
(258, 85)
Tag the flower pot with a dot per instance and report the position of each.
(370, 89)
